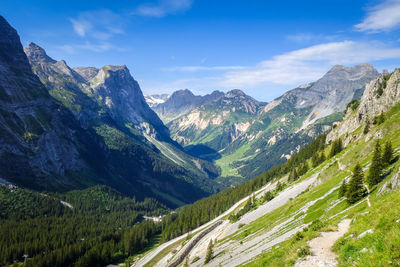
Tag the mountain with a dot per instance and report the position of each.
(42, 145)
(154, 100)
(67, 128)
(335, 89)
(326, 216)
(182, 102)
(216, 124)
(245, 142)
(112, 87)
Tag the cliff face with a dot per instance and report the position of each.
(379, 96)
(95, 94)
(115, 88)
(39, 139)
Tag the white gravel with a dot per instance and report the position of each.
(321, 248)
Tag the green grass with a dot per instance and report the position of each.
(381, 248)
(225, 162)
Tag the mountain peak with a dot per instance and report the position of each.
(235, 93)
(87, 73)
(37, 54)
(183, 92)
(362, 67)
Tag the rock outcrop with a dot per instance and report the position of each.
(379, 96)
(40, 140)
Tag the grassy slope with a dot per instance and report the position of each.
(383, 245)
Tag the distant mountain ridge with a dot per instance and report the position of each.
(246, 137)
(181, 102)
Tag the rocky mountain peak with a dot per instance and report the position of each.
(235, 93)
(334, 90)
(10, 42)
(37, 54)
(238, 100)
(372, 104)
(182, 93)
(120, 92)
(8, 33)
(87, 73)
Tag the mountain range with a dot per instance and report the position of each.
(65, 128)
(245, 137)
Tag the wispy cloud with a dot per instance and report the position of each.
(308, 64)
(305, 37)
(99, 24)
(383, 17)
(89, 46)
(163, 8)
(203, 68)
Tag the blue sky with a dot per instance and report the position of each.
(262, 47)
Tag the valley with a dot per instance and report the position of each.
(180, 133)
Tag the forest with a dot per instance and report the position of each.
(100, 225)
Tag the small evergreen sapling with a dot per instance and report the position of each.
(210, 252)
(355, 189)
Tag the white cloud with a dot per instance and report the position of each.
(81, 26)
(308, 64)
(99, 24)
(383, 17)
(163, 8)
(89, 46)
(203, 68)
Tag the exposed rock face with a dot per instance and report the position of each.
(39, 139)
(121, 94)
(87, 73)
(182, 102)
(111, 86)
(333, 91)
(371, 105)
(109, 104)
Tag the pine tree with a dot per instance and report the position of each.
(387, 154)
(355, 189)
(376, 166)
(210, 252)
(315, 160)
(293, 175)
(337, 146)
(342, 189)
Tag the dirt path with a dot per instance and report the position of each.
(321, 248)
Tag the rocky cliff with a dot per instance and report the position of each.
(379, 96)
(40, 140)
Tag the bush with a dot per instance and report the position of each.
(304, 251)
